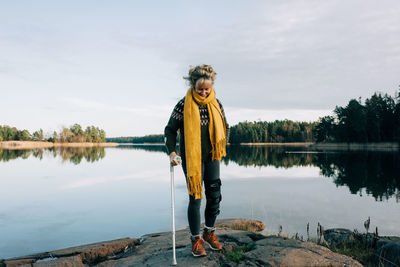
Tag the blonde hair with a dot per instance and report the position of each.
(200, 74)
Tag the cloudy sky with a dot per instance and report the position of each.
(119, 64)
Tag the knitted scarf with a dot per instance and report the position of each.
(192, 131)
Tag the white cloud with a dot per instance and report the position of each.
(92, 181)
(97, 106)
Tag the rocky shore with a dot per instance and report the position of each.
(382, 251)
(243, 246)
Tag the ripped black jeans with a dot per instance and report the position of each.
(212, 185)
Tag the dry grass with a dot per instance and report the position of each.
(16, 145)
(241, 224)
(244, 227)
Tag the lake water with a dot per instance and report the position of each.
(53, 199)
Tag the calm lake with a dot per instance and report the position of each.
(53, 199)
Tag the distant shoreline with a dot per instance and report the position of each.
(142, 144)
(15, 145)
(383, 146)
(229, 144)
(276, 144)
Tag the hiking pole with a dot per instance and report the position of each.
(173, 212)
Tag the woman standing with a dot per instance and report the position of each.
(200, 120)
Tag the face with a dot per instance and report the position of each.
(204, 88)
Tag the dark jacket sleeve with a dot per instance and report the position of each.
(226, 123)
(174, 124)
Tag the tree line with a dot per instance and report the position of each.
(247, 132)
(377, 120)
(74, 133)
(152, 138)
(278, 131)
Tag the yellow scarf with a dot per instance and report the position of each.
(191, 122)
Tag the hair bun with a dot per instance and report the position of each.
(202, 71)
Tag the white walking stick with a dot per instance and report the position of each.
(173, 214)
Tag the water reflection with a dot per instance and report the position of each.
(149, 148)
(376, 173)
(269, 156)
(253, 156)
(74, 155)
(7, 155)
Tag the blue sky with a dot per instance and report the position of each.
(119, 64)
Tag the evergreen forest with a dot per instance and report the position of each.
(377, 120)
(153, 138)
(279, 131)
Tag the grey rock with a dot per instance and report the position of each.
(388, 253)
(386, 239)
(88, 254)
(279, 251)
(386, 248)
(18, 262)
(156, 250)
(73, 261)
(338, 236)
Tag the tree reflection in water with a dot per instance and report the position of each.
(149, 148)
(376, 173)
(71, 154)
(277, 156)
(76, 154)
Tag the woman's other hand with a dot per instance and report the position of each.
(174, 159)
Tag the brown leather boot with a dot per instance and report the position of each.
(198, 247)
(212, 240)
